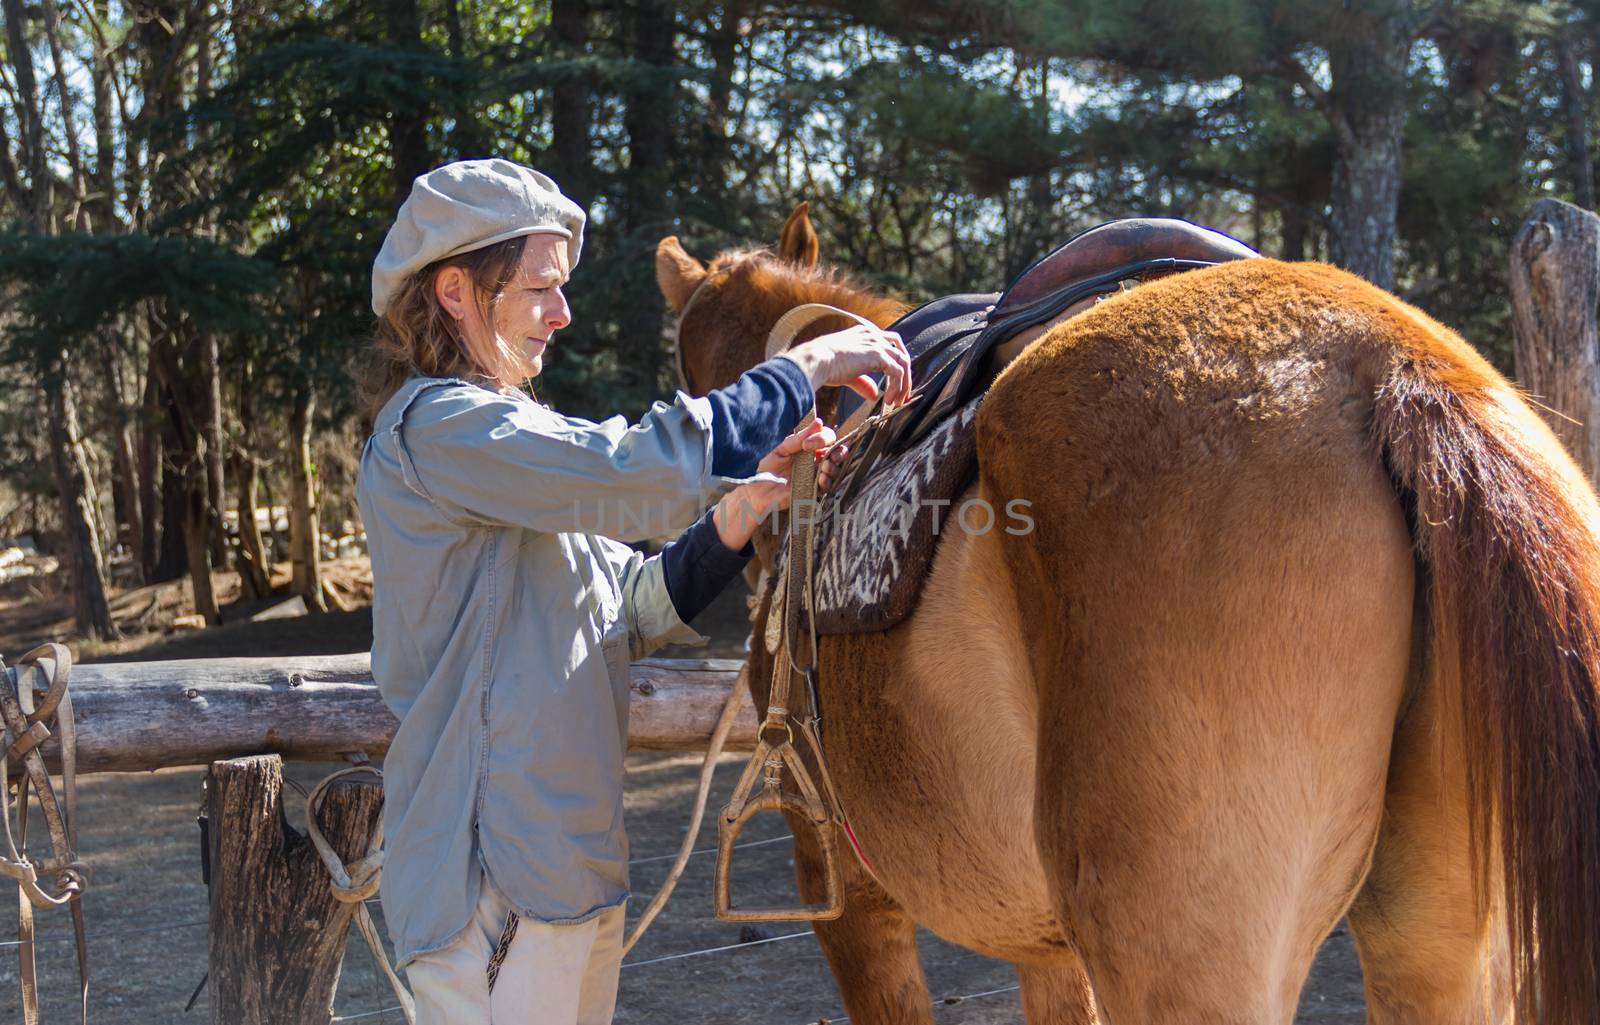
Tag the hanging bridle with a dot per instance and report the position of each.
(25, 730)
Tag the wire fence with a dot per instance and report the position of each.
(381, 1015)
(949, 1001)
(106, 934)
(391, 1013)
(382, 1012)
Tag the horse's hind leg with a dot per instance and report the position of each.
(1056, 995)
(1427, 955)
(872, 948)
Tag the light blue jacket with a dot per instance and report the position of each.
(503, 625)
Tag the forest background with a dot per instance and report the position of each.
(192, 192)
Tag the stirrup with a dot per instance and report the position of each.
(770, 761)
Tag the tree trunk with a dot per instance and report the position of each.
(1574, 105)
(196, 542)
(29, 114)
(254, 571)
(104, 206)
(569, 103)
(305, 538)
(1367, 105)
(210, 393)
(192, 459)
(79, 219)
(126, 487)
(645, 218)
(466, 133)
(408, 127)
(649, 113)
(273, 543)
(277, 932)
(104, 522)
(254, 568)
(715, 149)
(1293, 244)
(172, 560)
(148, 540)
(91, 610)
(1555, 297)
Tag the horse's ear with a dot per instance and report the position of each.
(798, 243)
(677, 273)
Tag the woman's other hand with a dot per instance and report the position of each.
(845, 358)
(741, 511)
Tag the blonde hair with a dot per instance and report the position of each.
(416, 335)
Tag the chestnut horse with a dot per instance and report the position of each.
(1308, 626)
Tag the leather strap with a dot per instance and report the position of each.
(789, 326)
(790, 704)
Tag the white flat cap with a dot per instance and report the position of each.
(467, 205)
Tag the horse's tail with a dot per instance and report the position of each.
(1508, 532)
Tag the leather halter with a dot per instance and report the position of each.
(677, 332)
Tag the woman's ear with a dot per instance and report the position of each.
(452, 288)
(798, 241)
(677, 273)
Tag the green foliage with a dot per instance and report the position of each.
(67, 289)
(943, 145)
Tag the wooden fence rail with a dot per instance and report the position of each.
(277, 933)
(135, 716)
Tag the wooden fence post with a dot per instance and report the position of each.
(277, 932)
(1555, 296)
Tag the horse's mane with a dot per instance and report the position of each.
(787, 285)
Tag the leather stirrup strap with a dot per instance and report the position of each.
(803, 514)
(776, 757)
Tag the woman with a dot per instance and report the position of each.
(503, 621)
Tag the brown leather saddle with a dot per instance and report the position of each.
(953, 339)
(877, 532)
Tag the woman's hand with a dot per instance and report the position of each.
(845, 358)
(741, 511)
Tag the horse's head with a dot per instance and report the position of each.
(726, 310)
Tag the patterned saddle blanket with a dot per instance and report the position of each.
(873, 553)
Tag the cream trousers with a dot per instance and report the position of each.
(550, 974)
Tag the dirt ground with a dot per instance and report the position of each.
(146, 905)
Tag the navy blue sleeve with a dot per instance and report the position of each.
(750, 416)
(697, 566)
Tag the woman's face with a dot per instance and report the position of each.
(531, 309)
